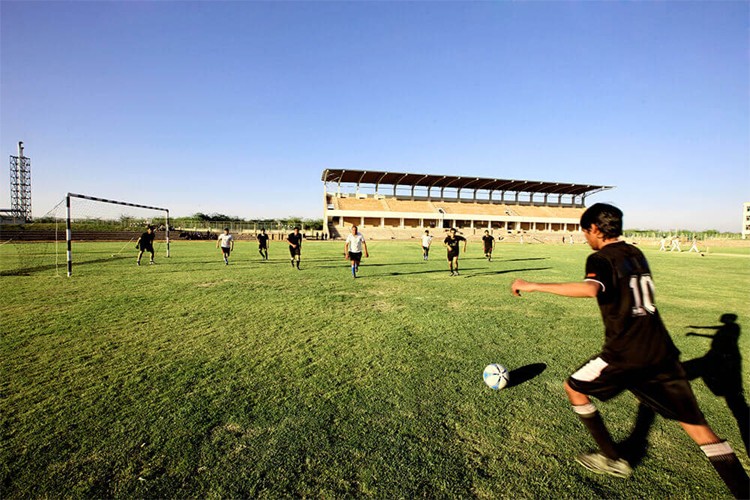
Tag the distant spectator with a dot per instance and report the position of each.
(695, 246)
(676, 245)
(663, 244)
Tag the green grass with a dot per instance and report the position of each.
(193, 379)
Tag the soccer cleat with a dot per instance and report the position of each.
(138, 263)
(456, 273)
(599, 464)
(151, 262)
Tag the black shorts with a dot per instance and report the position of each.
(262, 246)
(452, 255)
(226, 250)
(295, 251)
(664, 388)
(487, 249)
(355, 256)
(147, 248)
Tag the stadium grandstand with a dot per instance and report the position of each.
(397, 205)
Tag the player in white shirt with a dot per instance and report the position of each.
(355, 242)
(226, 241)
(426, 242)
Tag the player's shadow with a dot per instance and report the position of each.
(506, 271)
(525, 373)
(427, 271)
(721, 370)
(519, 260)
(634, 447)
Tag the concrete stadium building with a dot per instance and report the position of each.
(398, 205)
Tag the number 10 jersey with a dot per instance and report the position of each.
(635, 335)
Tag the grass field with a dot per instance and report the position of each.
(194, 379)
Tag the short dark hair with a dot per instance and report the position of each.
(607, 218)
(226, 229)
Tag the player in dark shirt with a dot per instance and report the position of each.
(489, 244)
(452, 243)
(263, 244)
(638, 353)
(295, 246)
(146, 244)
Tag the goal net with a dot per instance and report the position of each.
(82, 231)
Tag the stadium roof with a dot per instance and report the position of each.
(457, 182)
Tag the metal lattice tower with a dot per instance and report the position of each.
(20, 185)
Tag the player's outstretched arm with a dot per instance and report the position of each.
(704, 335)
(572, 289)
(367, 254)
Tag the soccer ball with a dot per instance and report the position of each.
(496, 376)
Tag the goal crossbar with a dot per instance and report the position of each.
(68, 224)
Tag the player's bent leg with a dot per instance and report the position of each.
(701, 434)
(589, 378)
(724, 461)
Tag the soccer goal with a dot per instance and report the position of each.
(101, 220)
(84, 230)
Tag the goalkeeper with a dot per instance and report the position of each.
(146, 244)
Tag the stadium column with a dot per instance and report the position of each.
(382, 222)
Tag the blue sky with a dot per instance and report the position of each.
(237, 107)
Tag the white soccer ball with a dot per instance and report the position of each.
(496, 376)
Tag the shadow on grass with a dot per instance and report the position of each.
(442, 271)
(721, 370)
(506, 271)
(525, 373)
(519, 260)
(27, 271)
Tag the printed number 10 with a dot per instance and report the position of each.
(643, 295)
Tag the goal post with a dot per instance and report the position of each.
(69, 218)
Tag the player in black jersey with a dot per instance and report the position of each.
(489, 244)
(638, 354)
(146, 244)
(295, 246)
(263, 244)
(452, 243)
